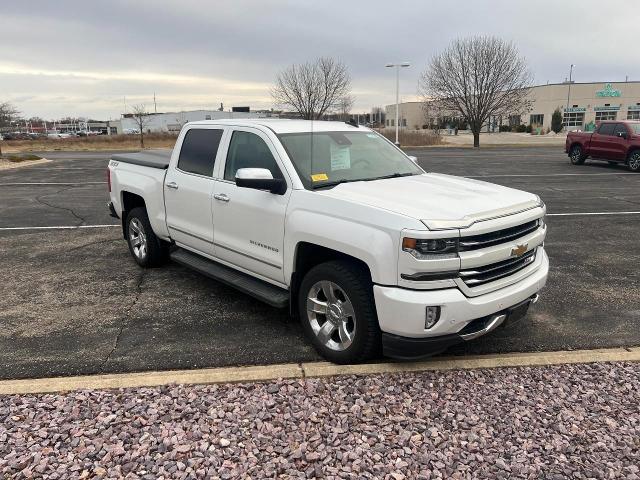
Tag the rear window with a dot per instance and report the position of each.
(198, 151)
(606, 129)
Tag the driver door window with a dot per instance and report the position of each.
(248, 150)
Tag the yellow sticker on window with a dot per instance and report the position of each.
(318, 177)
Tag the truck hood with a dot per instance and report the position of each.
(439, 201)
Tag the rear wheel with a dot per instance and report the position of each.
(338, 314)
(634, 161)
(576, 156)
(146, 249)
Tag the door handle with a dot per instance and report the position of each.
(222, 197)
(173, 185)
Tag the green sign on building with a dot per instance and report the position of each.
(608, 91)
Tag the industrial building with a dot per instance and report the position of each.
(582, 106)
(172, 122)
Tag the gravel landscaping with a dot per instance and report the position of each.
(571, 421)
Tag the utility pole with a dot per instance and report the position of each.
(566, 112)
(155, 107)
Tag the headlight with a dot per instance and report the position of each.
(431, 248)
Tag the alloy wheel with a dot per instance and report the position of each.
(331, 315)
(137, 238)
(576, 153)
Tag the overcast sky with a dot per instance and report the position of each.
(82, 58)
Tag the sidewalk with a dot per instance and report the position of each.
(569, 421)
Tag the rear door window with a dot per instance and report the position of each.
(606, 129)
(199, 150)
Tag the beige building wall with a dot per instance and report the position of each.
(588, 103)
(411, 115)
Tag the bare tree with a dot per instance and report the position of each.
(345, 105)
(312, 88)
(8, 114)
(478, 77)
(141, 116)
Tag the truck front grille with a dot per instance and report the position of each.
(489, 273)
(484, 240)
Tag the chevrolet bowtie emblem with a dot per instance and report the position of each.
(519, 250)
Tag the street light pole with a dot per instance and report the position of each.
(566, 112)
(397, 66)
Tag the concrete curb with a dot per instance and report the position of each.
(313, 369)
(26, 163)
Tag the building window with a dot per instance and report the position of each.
(393, 123)
(573, 119)
(207, 117)
(606, 115)
(536, 119)
(404, 122)
(633, 115)
(514, 120)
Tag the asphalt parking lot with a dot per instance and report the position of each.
(74, 302)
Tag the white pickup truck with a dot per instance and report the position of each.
(336, 223)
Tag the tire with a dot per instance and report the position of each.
(344, 330)
(633, 161)
(576, 156)
(145, 248)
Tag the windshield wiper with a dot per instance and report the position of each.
(393, 175)
(335, 182)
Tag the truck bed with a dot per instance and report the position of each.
(148, 158)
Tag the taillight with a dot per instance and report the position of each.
(109, 179)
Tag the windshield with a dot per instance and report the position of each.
(326, 158)
(635, 127)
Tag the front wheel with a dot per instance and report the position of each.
(576, 156)
(146, 249)
(634, 161)
(338, 314)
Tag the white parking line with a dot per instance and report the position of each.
(60, 227)
(579, 214)
(14, 184)
(551, 175)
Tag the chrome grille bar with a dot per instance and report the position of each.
(495, 271)
(484, 240)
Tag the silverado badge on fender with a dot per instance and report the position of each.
(519, 250)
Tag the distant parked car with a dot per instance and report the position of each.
(16, 136)
(613, 141)
(131, 131)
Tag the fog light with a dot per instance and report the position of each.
(432, 317)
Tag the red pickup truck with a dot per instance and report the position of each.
(613, 141)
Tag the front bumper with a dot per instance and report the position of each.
(407, 348)
(401, 312)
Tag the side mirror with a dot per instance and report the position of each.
(622, 135)
(260, 179)
(413, 159)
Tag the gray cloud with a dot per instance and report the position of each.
(82, 58)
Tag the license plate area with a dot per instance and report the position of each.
(518, 312)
